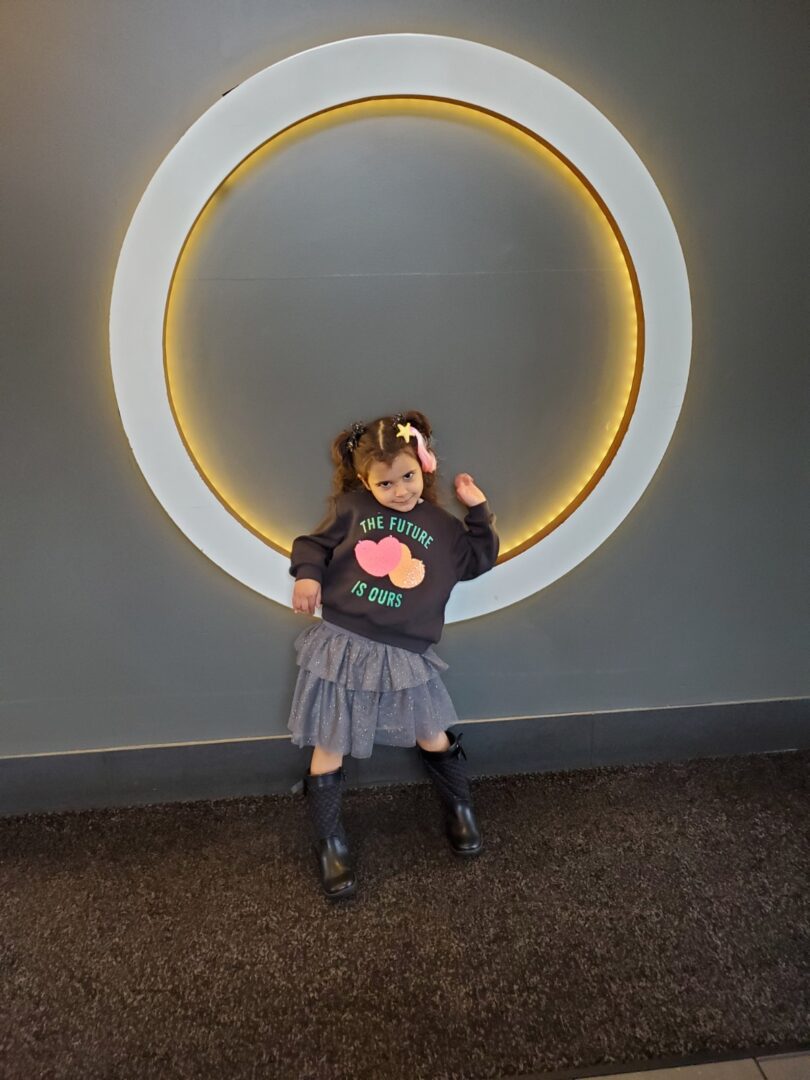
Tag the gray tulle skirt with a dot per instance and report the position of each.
(353, 692)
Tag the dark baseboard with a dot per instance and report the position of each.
(133, 777)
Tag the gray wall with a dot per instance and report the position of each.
(116, 631)
(399, 255)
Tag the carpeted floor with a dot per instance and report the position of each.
(617, 915)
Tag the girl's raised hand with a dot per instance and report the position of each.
(467, 491)
(306, 596)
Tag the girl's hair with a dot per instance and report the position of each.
(356, 449)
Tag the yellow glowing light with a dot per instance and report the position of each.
(548, 520)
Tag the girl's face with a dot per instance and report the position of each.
(398, 485)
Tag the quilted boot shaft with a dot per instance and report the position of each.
(324, 797)
(448, 772)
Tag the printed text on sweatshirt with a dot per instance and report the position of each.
(388, 576)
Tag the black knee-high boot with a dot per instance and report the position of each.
(449, 774)
(324, 794)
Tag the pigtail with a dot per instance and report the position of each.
(340, 451)
(344, 447)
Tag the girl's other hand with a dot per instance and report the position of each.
(467, 491)
(306, 596)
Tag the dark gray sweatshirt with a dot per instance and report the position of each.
(388, 575)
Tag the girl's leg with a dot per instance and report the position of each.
(323, 761)
(435, 745)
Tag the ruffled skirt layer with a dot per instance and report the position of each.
(353, 692)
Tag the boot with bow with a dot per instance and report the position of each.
(449, 775)
(324, 794)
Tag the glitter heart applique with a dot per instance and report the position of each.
(409, 572)
(380, 558)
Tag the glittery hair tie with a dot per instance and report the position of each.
(358, 430)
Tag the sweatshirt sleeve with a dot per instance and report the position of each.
(477, 544)
(311, 554)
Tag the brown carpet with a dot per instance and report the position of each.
(617, 915)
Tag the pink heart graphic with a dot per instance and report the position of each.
(378, 559)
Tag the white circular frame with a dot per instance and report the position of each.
(336, 74)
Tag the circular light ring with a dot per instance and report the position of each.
(396, 65)
(612, 447)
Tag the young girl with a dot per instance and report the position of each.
(382, 567)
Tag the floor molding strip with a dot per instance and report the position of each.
(217, 770)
